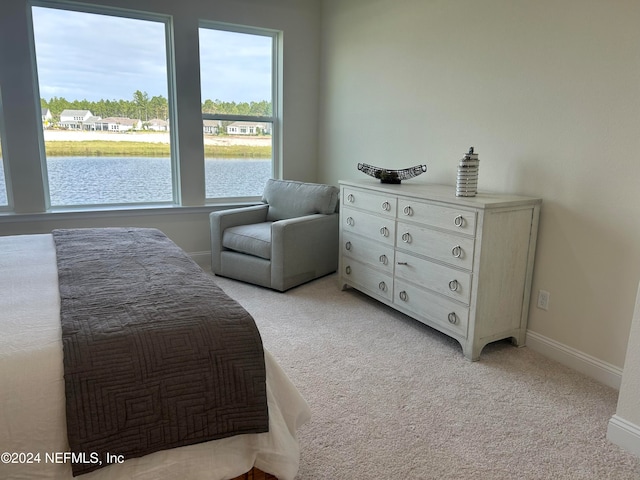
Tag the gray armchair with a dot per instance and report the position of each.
(289, 239)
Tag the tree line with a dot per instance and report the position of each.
(144, 108)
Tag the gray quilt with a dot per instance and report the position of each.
(156, 356)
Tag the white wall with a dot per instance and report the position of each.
(547, 92)
(299, 20)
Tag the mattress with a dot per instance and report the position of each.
(32, 399)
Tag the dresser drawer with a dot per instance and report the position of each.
(379, 204)
(449, 315)
(367, 251)
(367, 278)
(453, 249)
(371, 226)
(445, 280)
(449, 218)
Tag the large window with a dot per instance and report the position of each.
(237, 84)
(104, 88)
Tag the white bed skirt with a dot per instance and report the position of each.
(32, 399)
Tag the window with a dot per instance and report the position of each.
(237, 83)
(4, 197)
(103, 80)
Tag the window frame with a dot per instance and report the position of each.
(5, 164)
(276, 106)
(167, 21)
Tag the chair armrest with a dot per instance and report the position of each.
(303, 244)
(223, 219)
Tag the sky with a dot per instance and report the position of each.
(90, 56)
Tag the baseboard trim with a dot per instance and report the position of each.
(624, 434)
(593, 367)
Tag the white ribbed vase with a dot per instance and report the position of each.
(467, 181)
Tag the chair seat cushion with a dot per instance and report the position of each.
(253, 239)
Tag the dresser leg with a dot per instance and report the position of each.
(470, 352)
(520, 339)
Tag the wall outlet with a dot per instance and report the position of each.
(543, 299)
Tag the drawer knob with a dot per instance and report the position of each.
(350, 198)
(406, 237)
(453, 318)
(456, 251)
(453, 285)
(403, 296)
(348, 270)
(386, 206)
(382, 286)
(350, 221)
(384, 231)
(383, 259)
(408, 211)
(458, 221)
(347, 245)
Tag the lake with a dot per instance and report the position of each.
(110, 180)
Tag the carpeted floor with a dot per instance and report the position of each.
(393, 399)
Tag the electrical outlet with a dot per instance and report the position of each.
(543, 299)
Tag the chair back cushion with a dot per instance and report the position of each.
(290, 199)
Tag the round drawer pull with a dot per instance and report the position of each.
(386, 206)
(350, 198)
(383, 259)
(406, 237)
(453, 285)
(453, 318)
(347, 246)
(382, 286)
(408, 211)
(347, 270)
(384, 231)
(403, 296)
(456, 251)
(350, 221)
(458, 221)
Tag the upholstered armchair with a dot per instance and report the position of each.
(288, 239)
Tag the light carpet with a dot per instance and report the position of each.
(394, 399)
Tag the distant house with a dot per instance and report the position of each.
(74, 119)
(46, 118)
(119, 124)
(157, 125)
(92, 123)
(249, 128)
(211, 127)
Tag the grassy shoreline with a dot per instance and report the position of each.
(99, 148)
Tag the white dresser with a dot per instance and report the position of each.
(461, 265)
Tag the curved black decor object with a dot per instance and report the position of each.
(391, 176)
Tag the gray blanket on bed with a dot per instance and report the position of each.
(156, 356)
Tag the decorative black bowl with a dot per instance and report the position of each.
(391, 176)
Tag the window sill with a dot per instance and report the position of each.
(64, 213)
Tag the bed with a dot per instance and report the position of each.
(33, 420)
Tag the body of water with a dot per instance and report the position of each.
(113, 180)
